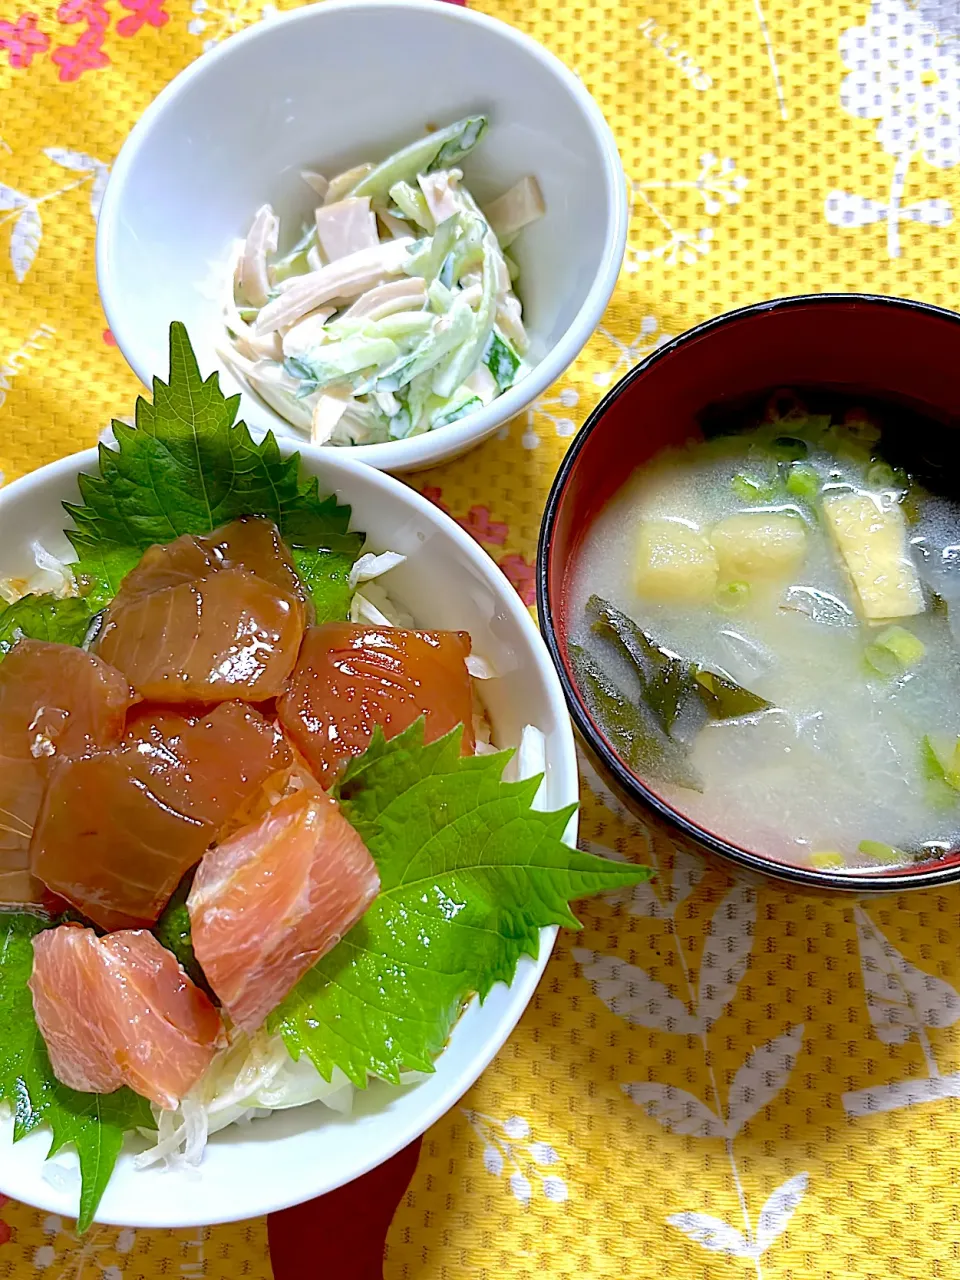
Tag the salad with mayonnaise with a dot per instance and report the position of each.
(394, 313)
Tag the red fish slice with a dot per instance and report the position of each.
(208, 619)
(349, 679)
(275, 897)
(254, 544)
(119, 1011)
(118, 829)
(55, 701)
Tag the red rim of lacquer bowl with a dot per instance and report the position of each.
(552, 577)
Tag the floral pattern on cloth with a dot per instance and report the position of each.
(905, 75)
(719, 1077)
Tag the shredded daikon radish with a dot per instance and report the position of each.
(479, 667)
(371, 566)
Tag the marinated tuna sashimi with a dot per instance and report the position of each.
(118, 828)
(275, 897)
(351, 678)
(254, 544)
(119, 1011)
(208, 619)
(55, 701)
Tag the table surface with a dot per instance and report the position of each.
(719, 1077)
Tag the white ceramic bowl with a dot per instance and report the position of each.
(447, 581)
(330, 85)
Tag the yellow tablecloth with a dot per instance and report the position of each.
(720, 1077)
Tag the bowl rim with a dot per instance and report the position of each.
(624, 779)
(522, 989)
(430, 447)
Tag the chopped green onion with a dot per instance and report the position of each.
(815, 425)
(862, 429)
(827, 861)
(910, 506)
(894, 651)
(941, 760)
(750, 490)
(880, 476)
(881, 852)
(789, 448)
(803, 481)
(731, 596)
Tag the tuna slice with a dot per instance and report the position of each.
(275, 897)
(120, 1011)
(118, 829)
(55, 701)
(208, 619)
(349, 679)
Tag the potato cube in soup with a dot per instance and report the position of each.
(675, 562)
(759, 545)
(872, 540)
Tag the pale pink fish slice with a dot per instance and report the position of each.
(270, 901)
(119, 1011)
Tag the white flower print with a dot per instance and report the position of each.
(943, 14)
(903, 1002)
(544, 408)
(693, 1008)
(628, 354)
(507, 1149)
(101, 1247)
(215, 21)
(716, 186)
(23, 210)
(904, 76)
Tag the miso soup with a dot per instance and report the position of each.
(768, 627)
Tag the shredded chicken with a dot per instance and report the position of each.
(346, 278)
(393, 311)
(387, 299)
(327, 413)
(305, 334)
(253, 281)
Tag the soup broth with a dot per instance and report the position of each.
(790, 566)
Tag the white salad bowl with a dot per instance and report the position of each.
(327, 86)
(447, 581)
